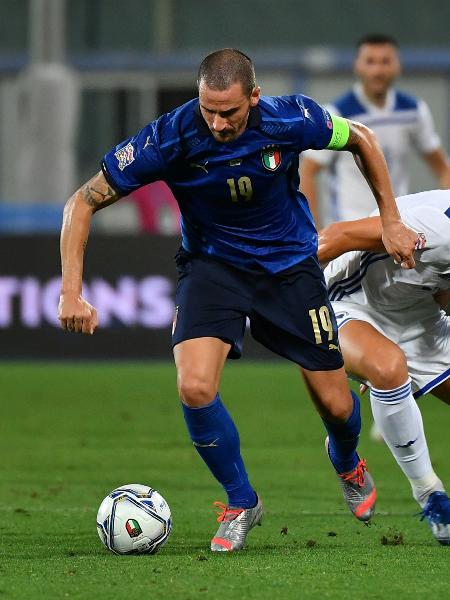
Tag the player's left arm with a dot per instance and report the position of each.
(399, 240)
(439, 163)
(345, 236)
(427, 141)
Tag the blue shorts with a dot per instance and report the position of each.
(289, 312)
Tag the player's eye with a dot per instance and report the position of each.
(228, 113)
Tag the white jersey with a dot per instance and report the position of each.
(398, 302)
(404, 122)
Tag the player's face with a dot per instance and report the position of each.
(226, 111)
(377, 65)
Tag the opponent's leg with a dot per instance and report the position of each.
(442, 391)
(199, 365)
(370, 355)
(339, 409)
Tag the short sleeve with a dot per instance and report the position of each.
(424, 135)
(135, 161)
(317, 128)
(323, 157)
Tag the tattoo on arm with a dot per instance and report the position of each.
(98, 193)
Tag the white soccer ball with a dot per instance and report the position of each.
(134, 519)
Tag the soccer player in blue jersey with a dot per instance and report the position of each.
(248, 249)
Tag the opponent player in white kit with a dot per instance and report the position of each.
(394, 334)
(400, 122)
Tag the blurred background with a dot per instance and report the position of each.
(79, 76)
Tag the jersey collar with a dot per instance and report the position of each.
(364, 100)
(254, 119)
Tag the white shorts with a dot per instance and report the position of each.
(425, 342)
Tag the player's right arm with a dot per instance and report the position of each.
(74, 312)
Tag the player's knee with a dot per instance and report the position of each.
(388, 370)
(338, 412)
(195, 391)
(333, 406)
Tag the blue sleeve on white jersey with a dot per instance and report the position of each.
(135, 162)
(317, 127)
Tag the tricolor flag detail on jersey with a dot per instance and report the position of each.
(271, 158)
(133, 528)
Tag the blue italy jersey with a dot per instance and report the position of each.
(239, 201)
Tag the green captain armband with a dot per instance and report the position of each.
(341, 133)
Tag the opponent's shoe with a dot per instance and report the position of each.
(437, 512)
(359, 490)
(235, 524)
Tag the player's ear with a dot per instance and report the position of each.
(255, 95)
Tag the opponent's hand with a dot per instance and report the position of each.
(399, 241)
(76, 314)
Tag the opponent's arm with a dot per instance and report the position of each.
(338, 238)
(398, 239)
(309, 171)
(439, 163)
(75, 313)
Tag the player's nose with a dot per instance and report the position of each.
(219, 123)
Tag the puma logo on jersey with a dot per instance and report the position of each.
(199, 166)
(407, 445)
(210, 445)
(333, 347)
(341, 315)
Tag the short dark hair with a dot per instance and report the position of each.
(377, 39)
(220, 69)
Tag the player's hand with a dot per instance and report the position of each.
(399, 241)
(76, 314)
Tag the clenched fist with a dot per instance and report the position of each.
(400, 242)
(76, 314)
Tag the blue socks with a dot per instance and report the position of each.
(216, 439)
(343, 440)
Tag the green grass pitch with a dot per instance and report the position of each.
(71, 433)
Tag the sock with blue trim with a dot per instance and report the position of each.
(343, 440)
(400, 422)
(216, 439)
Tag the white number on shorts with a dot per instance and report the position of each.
(325, 322)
